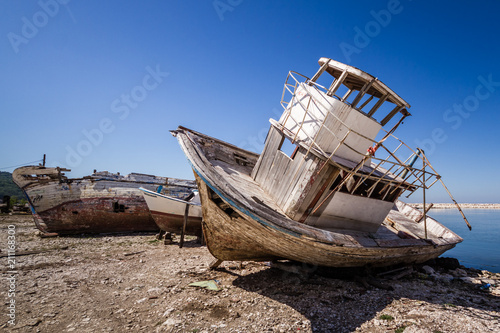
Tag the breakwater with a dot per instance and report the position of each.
(462, 205)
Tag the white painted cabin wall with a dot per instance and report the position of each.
(346, 211)
(319, 107)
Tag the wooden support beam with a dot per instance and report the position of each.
(216, 263)
(336, 84)
(366, 102)
(425, 212)
(362, 92)
(346, 96)
(377, 105)
(184, 225)
(320, 71)
(391, 114)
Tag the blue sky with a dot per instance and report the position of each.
(98, 85)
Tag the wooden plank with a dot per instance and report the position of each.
(329, 174)
(425, 212)
(184, 226)
(216, 263)
(320, 71)
(362, 93)
(377, 105)
(368, 100)
(364, 241)
(318, 189)
(265, 162)
(391, 114)
(275, 165)
(261, 156)
(346, 95)
(298, 166)
(281, 166)
(297, 186)
(296, 173)
(304, 189)
(400, 242)
(265, 182)
(270, 176)
(274, 139)
(312, 185)
(336, 84)
(291, 177)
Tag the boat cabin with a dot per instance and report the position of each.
(327, 161)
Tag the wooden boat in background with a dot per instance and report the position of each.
(168, 212)
(333, 199)
(103, 202)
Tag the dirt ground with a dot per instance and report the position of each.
(116, 283)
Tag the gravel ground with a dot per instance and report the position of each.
(136, 283)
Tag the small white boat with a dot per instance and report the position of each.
(169, 212)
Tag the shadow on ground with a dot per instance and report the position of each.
(338, 300)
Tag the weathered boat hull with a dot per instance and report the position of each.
(239, 223)
(101, 203)
(243, 238)
(168, 213)
(96, 215)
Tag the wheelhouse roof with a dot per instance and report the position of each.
(356, 79)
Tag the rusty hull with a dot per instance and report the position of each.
(100, 203)
(98, 215)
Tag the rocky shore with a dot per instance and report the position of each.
(117, 283)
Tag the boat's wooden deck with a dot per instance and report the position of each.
(240, 177)
(396, 231)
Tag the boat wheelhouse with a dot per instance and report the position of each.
(344, 170)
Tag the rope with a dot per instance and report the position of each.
(20, 165)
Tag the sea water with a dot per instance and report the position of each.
(481, 246)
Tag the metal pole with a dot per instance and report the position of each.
(451, 196)
(423, 187)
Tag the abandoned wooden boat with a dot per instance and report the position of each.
(332, 200)
(169, 212)
(103, 202)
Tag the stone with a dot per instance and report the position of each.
(468, 279)
(445, 278)
(171, 322)
(489, 281)
(459, 272)
(428, 269)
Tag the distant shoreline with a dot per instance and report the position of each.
(462, 205)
